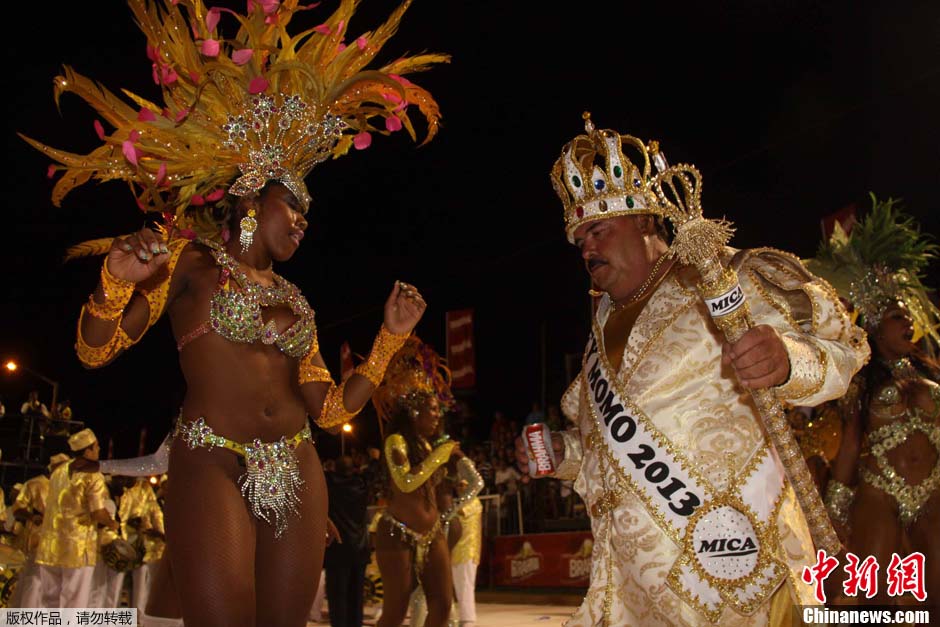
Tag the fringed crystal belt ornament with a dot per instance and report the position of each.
(272, 482)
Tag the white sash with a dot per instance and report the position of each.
(728, 540)
(642, 453)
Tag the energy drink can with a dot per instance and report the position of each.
(538, 447)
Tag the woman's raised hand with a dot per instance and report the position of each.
(138, 256)
(403, 309)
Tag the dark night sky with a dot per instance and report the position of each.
(791, 110)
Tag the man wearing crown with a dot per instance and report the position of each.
(694, 522)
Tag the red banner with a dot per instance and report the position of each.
(844, 216)
(460, 351)
(543, 559)
(346, 361)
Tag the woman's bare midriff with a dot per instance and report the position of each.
(413, 509)
(243, 391)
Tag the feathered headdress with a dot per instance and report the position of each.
(415, 371)
(880, 263)
(240, 111)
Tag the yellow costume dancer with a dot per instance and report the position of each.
(694, 522)
(142, 525)
(68, 540)
(107, 582)
(885, 478)
(30, 507)
(464, 559)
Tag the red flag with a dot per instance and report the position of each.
(460, 350)
(346, 361)
(844, 216)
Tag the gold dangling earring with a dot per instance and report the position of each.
(247, 227)
(595, 293)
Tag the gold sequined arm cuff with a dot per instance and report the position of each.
(401, 474)
(97, 356)
(570, 466)
(839, 498)
(334, 409)
(385, 346)
(807, 370)
(312, 373)
(117, 293)
(157, 295)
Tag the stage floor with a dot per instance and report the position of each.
(507, 615)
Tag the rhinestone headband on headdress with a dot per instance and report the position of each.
(415, 373)
(240, 111)
(595, 180)
(879, 264)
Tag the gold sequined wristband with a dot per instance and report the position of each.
(839, 498)
(117, 293)
(385, 346)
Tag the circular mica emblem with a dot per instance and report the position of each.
(725, 543)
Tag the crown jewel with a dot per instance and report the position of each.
(595, 180)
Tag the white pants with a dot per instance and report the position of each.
(465, 579)
(106, 586)
(28, 591)
(140, 580)
(65, 587)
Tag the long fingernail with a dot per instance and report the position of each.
(164, 249)
(143, 255)
(126, 247)
(154, 247)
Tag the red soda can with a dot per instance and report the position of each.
(538, 447)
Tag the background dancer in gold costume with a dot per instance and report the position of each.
(30, 507)
(68, 538)
(884, 490)
(411, 537)
(222, 160)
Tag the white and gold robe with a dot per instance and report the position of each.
(707, 430)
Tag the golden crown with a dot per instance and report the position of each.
(595, 180)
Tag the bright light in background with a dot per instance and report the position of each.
(11, 366)
(153, 480)
(347, 428)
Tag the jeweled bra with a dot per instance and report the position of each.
(235, 311)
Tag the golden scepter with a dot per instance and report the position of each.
(698, 242)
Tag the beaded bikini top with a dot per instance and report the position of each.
(235, 310)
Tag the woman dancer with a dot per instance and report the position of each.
(411, 539)
(890, 450)
(223, 161)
